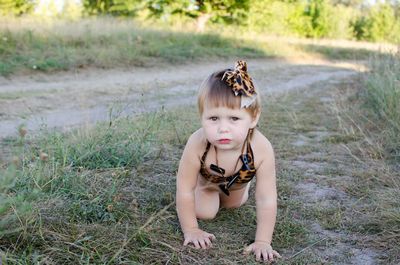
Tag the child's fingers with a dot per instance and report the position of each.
(211, 236)
(258, 255)
(264, 254)
(248, 249)
(276, 254)
(208, 242)
(196, 244)
(203, 244)
(186, 242)
(270, 256)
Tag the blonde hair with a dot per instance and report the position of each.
(218, 93)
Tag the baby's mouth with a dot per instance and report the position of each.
(224, 141)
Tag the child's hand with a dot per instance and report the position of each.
(199, 238)
(262, 250)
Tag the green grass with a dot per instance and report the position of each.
(88, 202)
(102, 199)
(75, 206)
(105, 194)
(31, 45)
(49, 49)
(370, 110)
(381, 95)
(338, 53)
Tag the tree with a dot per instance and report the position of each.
(16, 7)
(72, 9)
(112, 7)
(383, 22)
(229, 11)
(46, 9)
(379, 24)
(319, 13)
(349, 3)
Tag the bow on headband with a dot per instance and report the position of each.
(241, 83)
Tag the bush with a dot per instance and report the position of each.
(269, 17)
(16, 7)
(380, 24)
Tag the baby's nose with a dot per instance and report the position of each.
(223, 127)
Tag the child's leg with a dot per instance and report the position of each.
(206, 202)
(236, 198)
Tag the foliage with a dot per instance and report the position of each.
(360, 27)
(340, 20)
(113, 7)
(305, 18)
(319, 13)
(225, 11)
(194, 9)
(270, 16)
(297, 22)
(72, 10)
(347, 3)
(383, 22)
(380, 24)
(16, 7)
(314, 19)
(308, 19)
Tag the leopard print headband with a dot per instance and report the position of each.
(241, 83)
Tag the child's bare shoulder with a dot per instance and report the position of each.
(197, 138)
(197, 142)
(261, 146)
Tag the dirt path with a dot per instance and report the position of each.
(72, 99)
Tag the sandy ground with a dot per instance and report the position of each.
(68, 99)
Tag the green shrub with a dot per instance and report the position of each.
(16, 7)
(380, 24)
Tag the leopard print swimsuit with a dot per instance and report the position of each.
(244, 175)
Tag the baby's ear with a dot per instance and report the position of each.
(255, 120)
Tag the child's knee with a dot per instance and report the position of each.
(206, 215)
(232, 205)
(206, 204)
(236, 203)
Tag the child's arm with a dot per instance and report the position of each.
(188, 171)
(266, 205)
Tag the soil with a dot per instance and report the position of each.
(70, 99)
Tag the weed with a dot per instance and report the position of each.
(106, 43)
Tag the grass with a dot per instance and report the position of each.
(102, 199)
(370, 110)
(76, 191)
(381, 95)
(31, 45)
(96, 43)
(106, 194)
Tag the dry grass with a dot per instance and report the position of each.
(102, 211)
(30, 45)
(106, 195)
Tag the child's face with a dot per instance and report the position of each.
(227, 128)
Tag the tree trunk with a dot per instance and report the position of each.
(201, 21)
